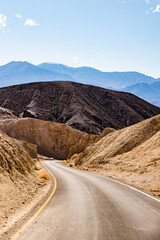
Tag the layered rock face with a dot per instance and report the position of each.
(16, 156)
(131, 154)
(18, 183)
(52, 139)
(83, 107)
(120, 142)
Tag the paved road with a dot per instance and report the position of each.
(90, 207)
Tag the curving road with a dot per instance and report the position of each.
(86, 206)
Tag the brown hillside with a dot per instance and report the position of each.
(131, 155)
(52, 139)
(83, 107)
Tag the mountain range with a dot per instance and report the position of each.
(149, 92)
(23, 72)
(137, 83)
(88, 75)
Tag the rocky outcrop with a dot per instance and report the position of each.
(20, 189)
(106, 131)
(52, 139)
(6, 113)
(131, 155)
(16, 156)
(120, 142)
(83, 107)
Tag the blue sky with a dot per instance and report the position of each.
(110, 35)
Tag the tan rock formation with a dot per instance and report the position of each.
(18, 182)
(16, 156)
(131, 155)
(106, 131)
(52, 139)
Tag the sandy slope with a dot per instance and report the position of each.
(18, 182)
(131, 155)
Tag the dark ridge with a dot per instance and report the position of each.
(84, 107)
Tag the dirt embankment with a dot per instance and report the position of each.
(131, 155)
(19, 184)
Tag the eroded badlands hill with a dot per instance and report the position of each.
(131, 155)
(18, 183)
(52, 139)
(84, 107)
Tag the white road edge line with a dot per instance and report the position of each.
(126, 185)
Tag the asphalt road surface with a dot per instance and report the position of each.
(86, 206)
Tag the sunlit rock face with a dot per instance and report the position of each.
(16, 156)
(52, 139)
(131, 155)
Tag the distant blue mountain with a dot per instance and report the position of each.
(149, 92)
(24, 72)
(95, 77)
(137, 83)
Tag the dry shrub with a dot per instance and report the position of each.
(35, 160)
(43, 175)
(155, 189)
(38, 166)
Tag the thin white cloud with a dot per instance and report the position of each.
(31, 22)
(157, 9)
(18, 16)
(3, 21)
(75, 59)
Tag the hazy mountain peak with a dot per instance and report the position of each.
(89, 75)
(17, 72)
